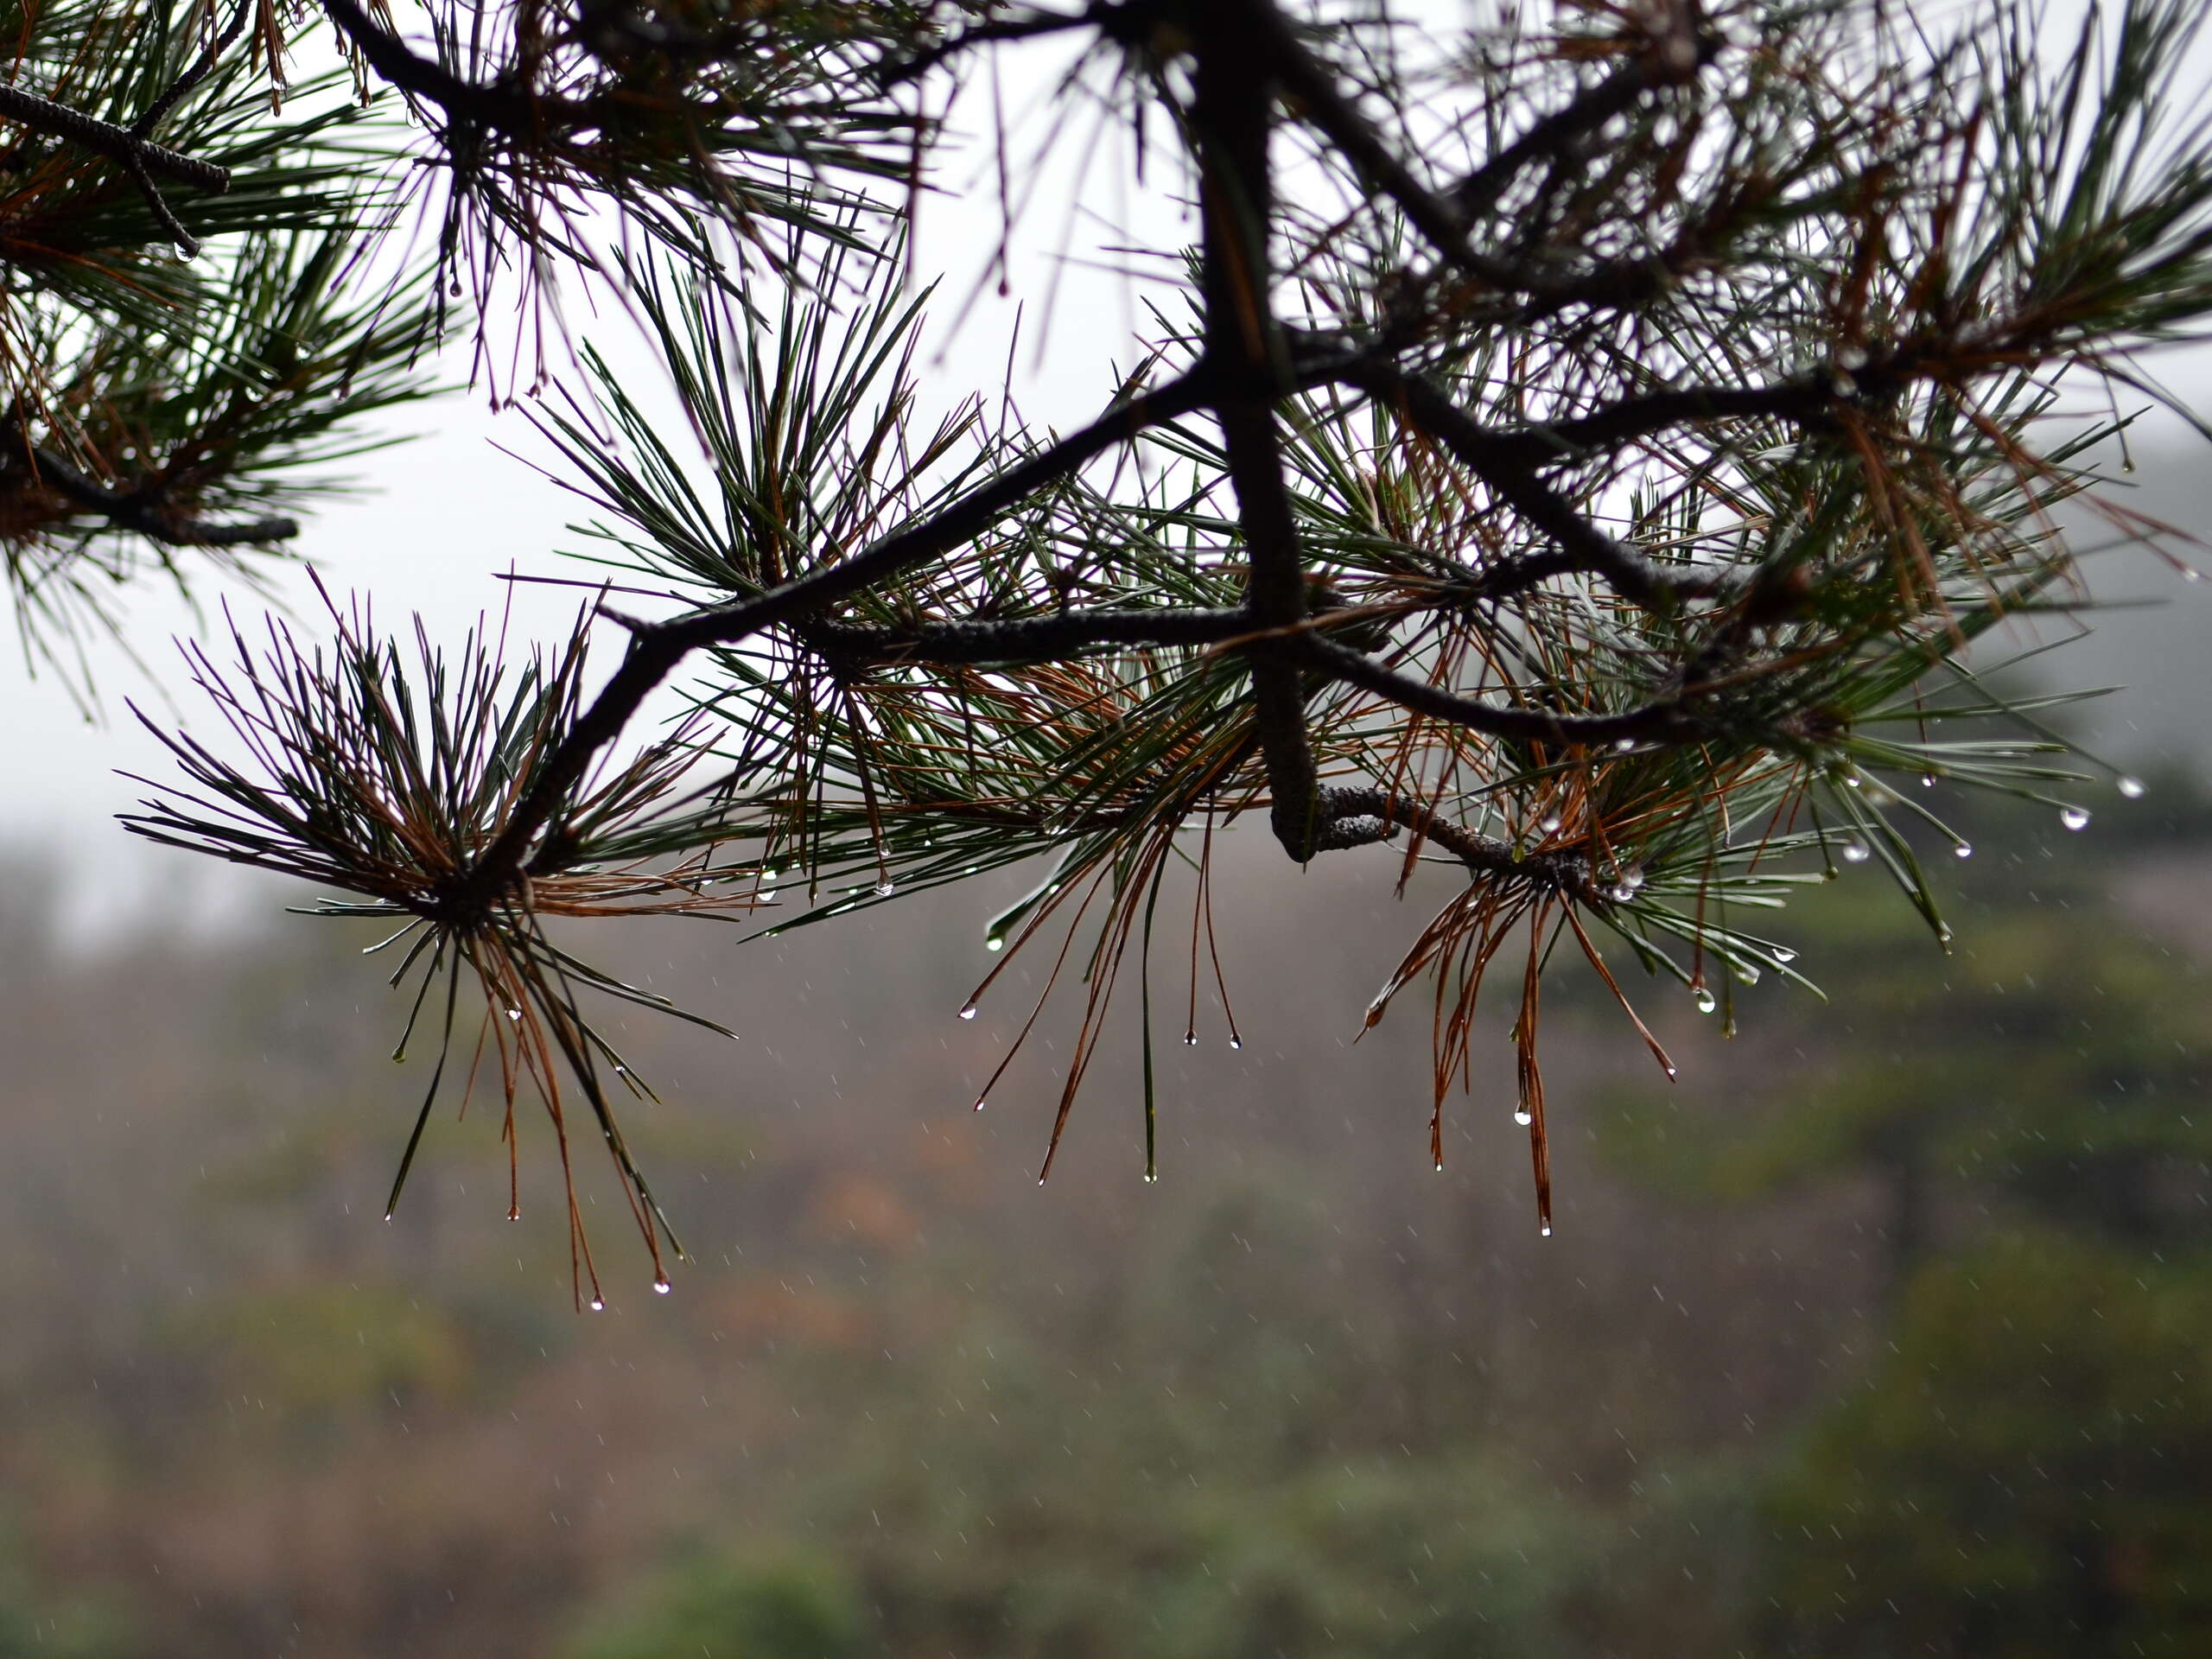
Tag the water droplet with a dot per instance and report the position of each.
(1236, 1042)
(1620, 893)
(1706, 1003)
(1783, 953)
(1851, 781)
(1544, 1232)
(886, 888)
(1928, 780)
(968, 1013)
(597, 1306)
(661, 1287)
(1548, 823)
(621, 1070)
(1625, 746)
(1150, 1177)
(979, 1105)
(2074, 818)
(994, 944)
(1856, 852)
(1439, 1166)
(2190, 573)
(1746, 974)
(1521, 1115)
(1190, 1039)
(1671, 1073)
(514, 1014)
(1964, 849)
(514, 1215)
(2131, 787)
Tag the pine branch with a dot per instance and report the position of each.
(144, 509)
(656, 649)
(1010, 640)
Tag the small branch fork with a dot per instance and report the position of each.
(1246, 59)
(132, 148)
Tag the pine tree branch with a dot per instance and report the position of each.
(655, 649)
(1664, 721)
(143, 511)
(1363, 815)
(1009, 29)
(120, 144)
(1232, 111)
(1555, 135)
(1505, 465)
(1676, 53)
(969, 640)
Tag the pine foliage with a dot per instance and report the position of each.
(1579, 453)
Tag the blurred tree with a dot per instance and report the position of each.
(2055, 1071)
(2025, 1474)
(1571, 450)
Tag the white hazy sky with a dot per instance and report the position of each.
(444, 514)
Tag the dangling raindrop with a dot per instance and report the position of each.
(1964, 849)
(1851, 781)
(1548, 823)
(886, 888)
(994, 944)
(1782, 953)
(2131, 787)
(1521, 1115)
(661, 1287)
(514, 1014)
(1190, 1039)
(1439, 1166)
(1236, 1042)
(979, 1105)
(1856, 852)
(2074, 818)
(1625, 746)
(1746, 974)
(1151, 1176)
(597, 1306)
(968, 1013)
(1544, 1232)
(1620, 893)
(1706, 1003)
(1928, 780)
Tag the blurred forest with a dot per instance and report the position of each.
(1887, 1329)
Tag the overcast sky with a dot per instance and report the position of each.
(444, 514)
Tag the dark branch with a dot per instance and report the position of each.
(1012, 28)
(1361, 817)
(119, 144)
(1232, 111)
(1505, 464)
(143, 509)
(1551, 136)
(1664, 721)
(1023, 639)
(655, 650)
